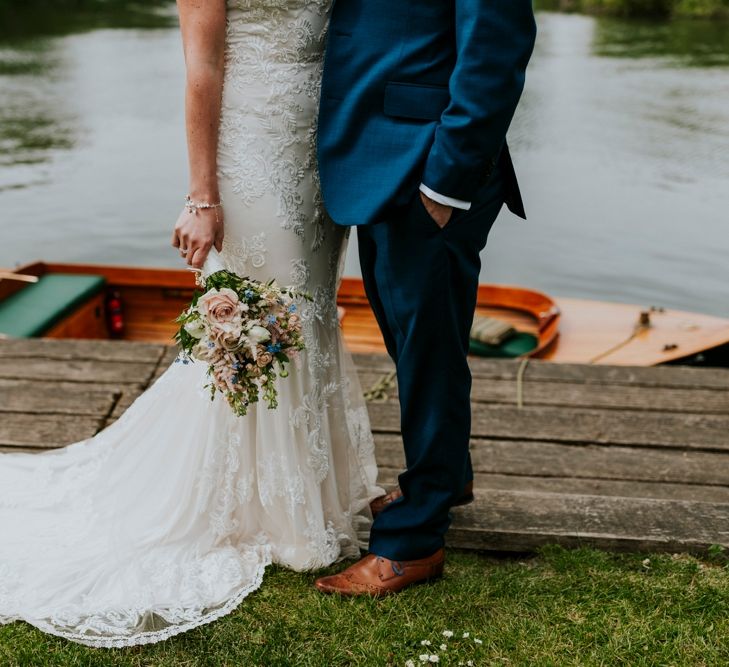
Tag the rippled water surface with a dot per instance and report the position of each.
(621, 143)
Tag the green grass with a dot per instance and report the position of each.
(559, 608)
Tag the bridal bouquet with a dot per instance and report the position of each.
(246, 331)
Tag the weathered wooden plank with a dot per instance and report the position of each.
(102, 350)
(656, 376)
(571, 394)
(548, 459)
(506, 369)
(523, 521)
(48, 398)
(699, 401)
(620, 427)
(45, 431)
(582, 486)
(76, 370)
(61, 385)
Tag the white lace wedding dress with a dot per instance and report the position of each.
(167, 519)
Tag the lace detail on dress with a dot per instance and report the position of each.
(358, 423)
(102, 631)
(219, 485)
(246, 253)
(269, 151)
(300, 273)
(324, 541)
(278, 480)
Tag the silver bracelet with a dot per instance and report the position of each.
(195, 206)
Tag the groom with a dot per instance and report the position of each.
(417, 97)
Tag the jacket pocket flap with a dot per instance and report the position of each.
(415, 100)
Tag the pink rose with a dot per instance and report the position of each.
(264, 359)
(205, 350)
(227, 335)
(219, 306)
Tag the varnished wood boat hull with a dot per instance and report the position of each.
(153, 298)
(567, 330)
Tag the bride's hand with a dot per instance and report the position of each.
(195, 233)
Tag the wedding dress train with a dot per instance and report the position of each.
(167, 519)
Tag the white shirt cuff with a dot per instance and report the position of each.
(442, 199)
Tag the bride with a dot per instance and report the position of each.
(167, 519)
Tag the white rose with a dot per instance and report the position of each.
(195, 328)
(259, 334)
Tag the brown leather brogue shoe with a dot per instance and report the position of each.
(378, 576)
(379, 503)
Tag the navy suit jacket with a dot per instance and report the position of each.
(419, 91)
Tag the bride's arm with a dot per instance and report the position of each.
(203, 37)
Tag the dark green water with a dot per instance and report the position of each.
(622, 145)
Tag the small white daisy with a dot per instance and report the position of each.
(425, 642)
(409, 663)
(466, 635)
(424, 657)
(478, 641)
(443, 647)
(448, 633)
(434, 658)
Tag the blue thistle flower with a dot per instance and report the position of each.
(292, 308)
(275, 347)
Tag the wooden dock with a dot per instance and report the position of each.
(614, 457)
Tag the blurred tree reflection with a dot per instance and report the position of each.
(20, 18)
(683, 42)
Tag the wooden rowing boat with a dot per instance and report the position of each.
(140, 304)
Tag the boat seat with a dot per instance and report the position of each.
(519, 345)
(36, 308)
(493, 337)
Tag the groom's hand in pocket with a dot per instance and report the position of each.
(440, 213)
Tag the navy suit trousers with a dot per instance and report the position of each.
(422, 283)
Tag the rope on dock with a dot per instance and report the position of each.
(643, 324)
(520, 382)
(378, 391)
